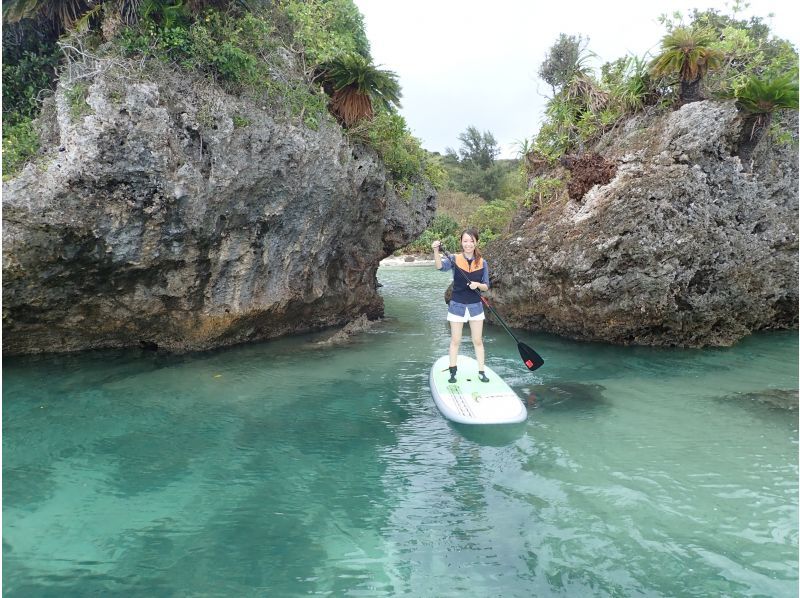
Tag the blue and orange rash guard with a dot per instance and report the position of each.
(475, 269)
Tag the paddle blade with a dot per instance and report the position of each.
(530, 358)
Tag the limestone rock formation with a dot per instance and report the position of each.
(682, 247)
(176, 215)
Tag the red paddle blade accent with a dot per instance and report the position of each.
(530, 358)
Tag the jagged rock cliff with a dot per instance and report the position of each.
(681, 247)
(177, 215)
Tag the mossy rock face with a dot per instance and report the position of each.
(680, 247)
(157, 220)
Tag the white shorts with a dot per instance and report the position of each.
(459, 312)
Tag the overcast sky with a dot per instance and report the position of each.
(475, 62)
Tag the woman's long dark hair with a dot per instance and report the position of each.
(475, 237)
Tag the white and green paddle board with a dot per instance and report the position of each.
(470, 401)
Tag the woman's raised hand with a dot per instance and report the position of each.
(436, 245)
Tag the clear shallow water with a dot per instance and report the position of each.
(281, 469)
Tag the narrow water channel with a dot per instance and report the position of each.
(287, 469)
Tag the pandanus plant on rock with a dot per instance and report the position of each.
(689, 53)
(356, 85)
(758, 99)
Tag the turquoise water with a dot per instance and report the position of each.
(284, 469)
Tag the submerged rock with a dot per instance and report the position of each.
(771, 397)
(681, 247)
(346, 334)
(566, 396)
(180, 217)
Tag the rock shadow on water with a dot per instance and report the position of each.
(780, 399)
(566, 396)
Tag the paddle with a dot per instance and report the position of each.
(530, 358)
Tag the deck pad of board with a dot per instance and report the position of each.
(470, 401)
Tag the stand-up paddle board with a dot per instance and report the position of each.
(470, 401)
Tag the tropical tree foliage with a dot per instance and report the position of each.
(582, 107)
(716, 51)
(688, 53)
(585, 93)
(473, 168)
(579, 111)
(567, 58)
(482, 191)
(478, 148)
(749, 51)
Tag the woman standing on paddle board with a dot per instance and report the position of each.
(465, 302)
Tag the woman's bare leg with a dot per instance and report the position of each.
(455, 341)
(476, 329)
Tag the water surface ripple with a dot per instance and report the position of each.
(286, 469)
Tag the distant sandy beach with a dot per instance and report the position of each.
(407, 260)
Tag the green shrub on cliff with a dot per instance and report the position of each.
(30, 60)
(402, 153)
(241, 52)
(236, 50)
(580, 109)
(29, 67)
(270, 52)
(20, 144)
(629, 84)
(543, 189)
(326, 29)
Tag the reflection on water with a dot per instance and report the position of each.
(286, 469)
